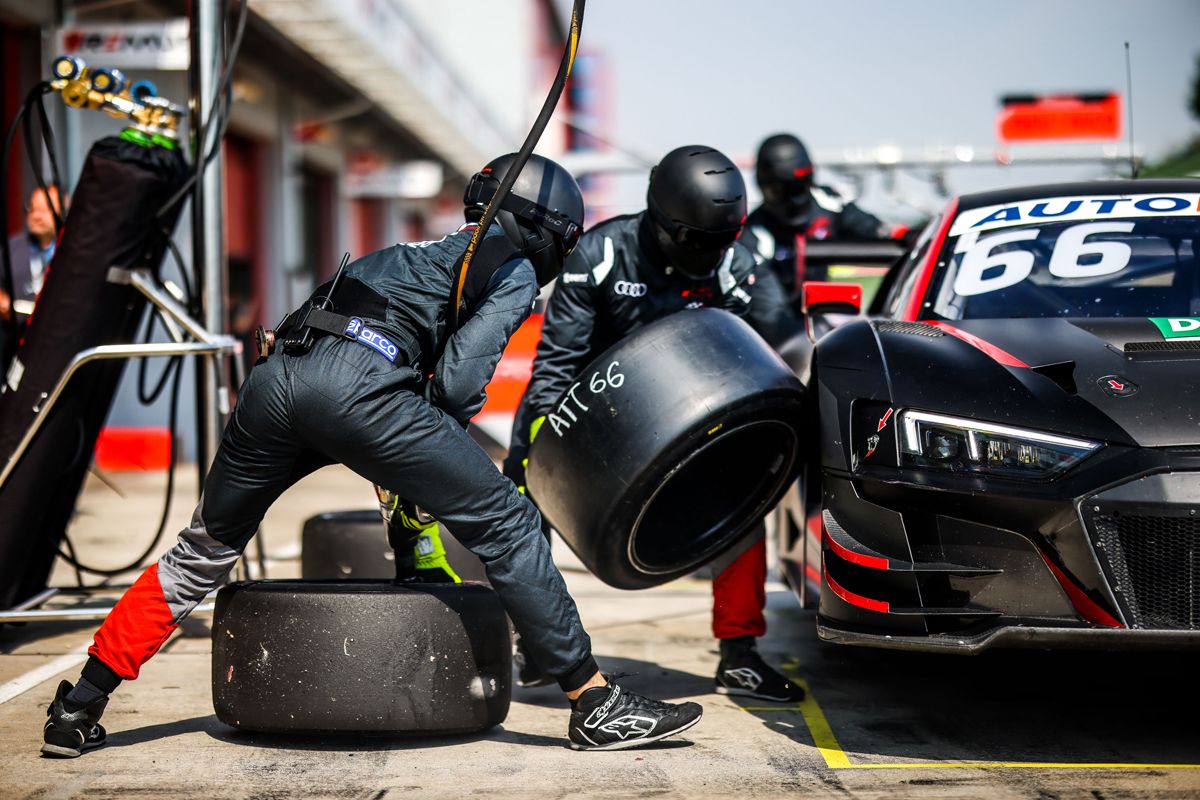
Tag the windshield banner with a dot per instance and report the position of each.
(1065, 209)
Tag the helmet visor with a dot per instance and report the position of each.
(688, 237)
(704, 241)
(795, 190)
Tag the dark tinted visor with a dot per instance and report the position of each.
(708, 241)
(790, 188)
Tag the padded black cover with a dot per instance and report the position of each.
(111, 223)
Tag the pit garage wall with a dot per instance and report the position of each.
(288, 222)
(292, 219)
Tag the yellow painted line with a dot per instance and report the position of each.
(836, 758)
(1017, 765)
(818, 726)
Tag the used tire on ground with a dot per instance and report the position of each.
(669, 448)
(368, 657)
(353, 544)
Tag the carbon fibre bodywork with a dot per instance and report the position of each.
(1104, 554)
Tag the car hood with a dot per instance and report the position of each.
(1116, 380)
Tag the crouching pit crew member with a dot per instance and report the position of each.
(627, 272)
(358, 397)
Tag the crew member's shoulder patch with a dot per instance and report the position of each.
(764, 242)
(608, 258)
(574, 277)
(828, 198)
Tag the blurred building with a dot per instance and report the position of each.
(355, 123)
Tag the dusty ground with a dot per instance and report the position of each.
(1020, 724)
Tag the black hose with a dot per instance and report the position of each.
(151, 397)
(51, 148)
(78, 571)
(222, 94)
(10, 324)
(514, 169)
(172, 425)
(35, 97)
(12, 328)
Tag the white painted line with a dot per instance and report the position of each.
(36, 676)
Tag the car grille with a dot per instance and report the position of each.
(1155, 566)
(915, 328)
(1143, 347)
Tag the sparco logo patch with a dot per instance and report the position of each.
(356, 330)
(629, 289)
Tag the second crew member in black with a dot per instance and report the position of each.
(680, 253)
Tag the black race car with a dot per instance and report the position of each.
(1010, 443)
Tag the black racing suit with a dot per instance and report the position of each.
(616, 281)
(829, 217)
(346, 401)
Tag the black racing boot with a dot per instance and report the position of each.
(69, 733)
(612, 718)
(743, 673)
(529, 674)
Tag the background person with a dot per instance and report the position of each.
(33, 248)
(30, 251)
(794, 206)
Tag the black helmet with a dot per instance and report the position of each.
(697, 205)
(785, 176)
(542, 215)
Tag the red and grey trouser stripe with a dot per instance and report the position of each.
(150, 611)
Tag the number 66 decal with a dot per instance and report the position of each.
(977, 273)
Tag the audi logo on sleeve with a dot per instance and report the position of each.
(629, 289)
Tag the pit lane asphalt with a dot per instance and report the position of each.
(878, 724)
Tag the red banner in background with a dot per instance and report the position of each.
(516, 366)
(1067, 117)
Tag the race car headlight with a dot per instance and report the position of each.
(967, 445)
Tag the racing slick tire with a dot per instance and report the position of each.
(669, 448)
(364, 657)
(353, 544)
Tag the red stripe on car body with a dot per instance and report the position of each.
(1086, 606)
(856, 599)
(997, 354)
(863, 560)
(913, 309)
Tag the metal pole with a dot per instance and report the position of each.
(208, 246)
